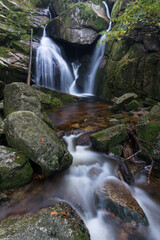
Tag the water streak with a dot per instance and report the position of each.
(52, 71)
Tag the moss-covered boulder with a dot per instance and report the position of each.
(148, 129)
(108, 138)
(133, 105)
(2, 86)
(59, 222)
(122, 101)
(117, 199)
(80, 24)
(19, 97)
(15, 169)
(29, 134)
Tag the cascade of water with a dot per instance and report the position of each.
(51, 69)
(73, 89)
(97, 57)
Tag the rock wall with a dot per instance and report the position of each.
(131, 64)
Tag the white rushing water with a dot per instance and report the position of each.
(52, 71)
(88, 173)
(73, 88)
(97, 57)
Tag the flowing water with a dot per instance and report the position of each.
(81, 186)
(52, 70)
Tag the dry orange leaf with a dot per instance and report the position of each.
(42, 139)
(13, 158)
(63, 213)
(54, 213)
(17, 156)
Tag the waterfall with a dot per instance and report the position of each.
(97, 57)
(51, 69)
(73, 89)
(53, 72)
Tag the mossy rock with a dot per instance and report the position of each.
(116, 150)
(19, 97)
(108, 138)
(48, 101)
(122, 101)
(15, 169)
(150, 132)
(66, 224)
(79, 24)
(29, 134)
(133, 105)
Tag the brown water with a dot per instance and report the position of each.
(78, 184)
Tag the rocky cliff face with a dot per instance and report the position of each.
(16, 20)
(131, 64)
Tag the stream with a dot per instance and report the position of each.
(79, 184)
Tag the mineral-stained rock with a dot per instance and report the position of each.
(29, 134)
(59, 222)
(15, 169)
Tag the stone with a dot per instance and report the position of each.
(80, 24)
(116, 150)
(132, 106)
(108, 138)
(123, 100)
(66, 224)
(117, 199)
(29, 134)
(47, 101)
(15, 169)
(2, 86)
(19, 97)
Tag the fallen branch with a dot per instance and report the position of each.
(30, 61)
(141, 148)
(134, 154)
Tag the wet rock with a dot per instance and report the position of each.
(122, 101)
(117, 199)
(19, 97)
(60, 222)
(106, 139)
(83, 139)
(79, 24)
(29, 134)
(15, 169)
(2, 86)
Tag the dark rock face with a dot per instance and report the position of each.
(2, 86)
(15, 169)
(60, 222)
(29, 134)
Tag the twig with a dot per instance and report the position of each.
(134, 154)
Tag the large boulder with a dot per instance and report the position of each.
(79, 24)
(117, 200)
(29, 134)
(108, 138)
(59, 222)
(15, 169)
(123, 100)
(19, 97)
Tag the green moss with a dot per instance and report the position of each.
(117, 150)
(133, 105)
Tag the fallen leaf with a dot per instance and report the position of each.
(63, 213)
(113, 130)
(4, 220)
(54, 213)
(42, 139)
(13, 158)
(17, 156)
